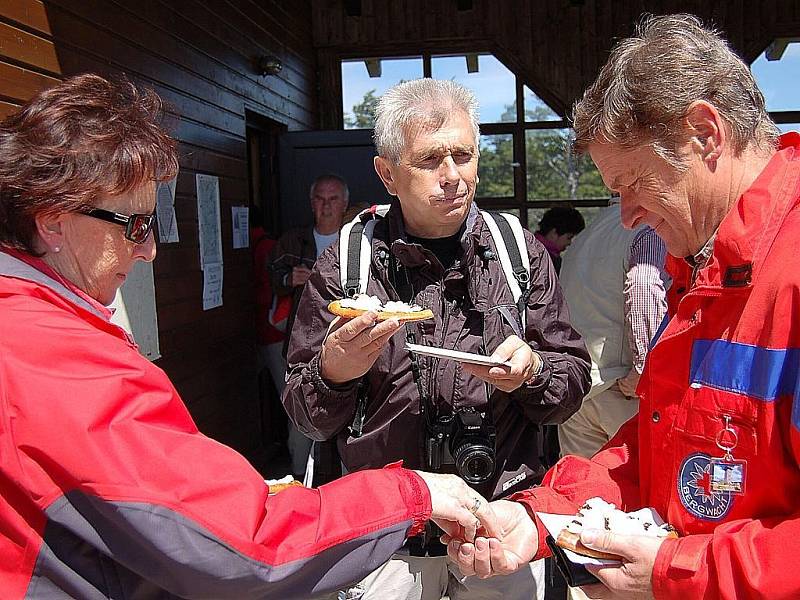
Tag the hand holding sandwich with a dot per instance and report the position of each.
(633, 578)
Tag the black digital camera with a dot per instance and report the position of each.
(464, 438)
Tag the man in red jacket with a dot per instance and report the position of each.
(677, 125)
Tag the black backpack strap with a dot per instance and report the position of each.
(355, 250)
(512, 252)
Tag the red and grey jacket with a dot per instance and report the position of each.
(732, 350)
(108, 490)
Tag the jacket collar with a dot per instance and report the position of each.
(472, 234)
(30, 268)
(411, 255)
(748, 230)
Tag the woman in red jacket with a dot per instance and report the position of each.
(107, 488)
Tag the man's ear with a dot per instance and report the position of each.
(50, 228)
(384, 170)
(706, 130)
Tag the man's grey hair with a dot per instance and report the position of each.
(419, 103)
(330, 177)
(644, 91)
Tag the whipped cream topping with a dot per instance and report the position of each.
(367, 302)
(596, 513)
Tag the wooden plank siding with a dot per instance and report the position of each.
(28, 60)
(555, 46)
(200, 57)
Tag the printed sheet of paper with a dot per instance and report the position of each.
(210, 239)
(240, 216)
(135, 309)
(165, 212)
(208, 221)
(212, 285)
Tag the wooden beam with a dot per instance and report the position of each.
(29, 49)
(472, 62)
(373, 67)
(6, 108)
(21, 84)
(778, 46)
(30, 13)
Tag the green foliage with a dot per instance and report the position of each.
(494, 167)
(363, 116)
(554, 172)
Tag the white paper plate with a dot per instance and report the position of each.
(457, 355)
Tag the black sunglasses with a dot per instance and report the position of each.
(137, 226)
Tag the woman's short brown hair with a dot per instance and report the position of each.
(84, 138)
(645, 89)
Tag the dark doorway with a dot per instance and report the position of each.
(262, 160)
(263, 137)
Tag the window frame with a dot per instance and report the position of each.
(519, 201)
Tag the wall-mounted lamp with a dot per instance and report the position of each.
(269, 65)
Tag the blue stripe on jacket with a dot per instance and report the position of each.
(761, 373)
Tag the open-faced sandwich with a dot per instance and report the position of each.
(278, 485)
(355, 307)
(596, 513)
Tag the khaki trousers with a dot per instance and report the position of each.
(596, 422)
(406, 577)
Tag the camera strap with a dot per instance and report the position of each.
(357, 426)
(406, 294)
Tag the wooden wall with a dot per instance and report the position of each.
(199, 56)
(556, 46)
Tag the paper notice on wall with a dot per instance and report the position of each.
(212, 285)
(210, 236)
(240, 216)
(165, 212)
(135, 309)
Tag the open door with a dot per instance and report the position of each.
(303, 156)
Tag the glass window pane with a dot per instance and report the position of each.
(554, 173)
(360, 91)
(534, 216)
(493, 84)
(536, 109)
(777, 79)
(495, 166)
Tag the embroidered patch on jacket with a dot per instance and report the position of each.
(694, 489)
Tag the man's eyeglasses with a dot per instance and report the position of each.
(137, 226)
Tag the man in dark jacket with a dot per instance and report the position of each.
(434, 248)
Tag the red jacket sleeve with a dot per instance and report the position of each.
(611, 474)
(89, 423)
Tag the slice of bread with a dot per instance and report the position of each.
(349, 312)
(279, 487)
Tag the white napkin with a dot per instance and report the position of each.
(554, 525)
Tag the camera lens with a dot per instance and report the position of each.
(474, 462)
